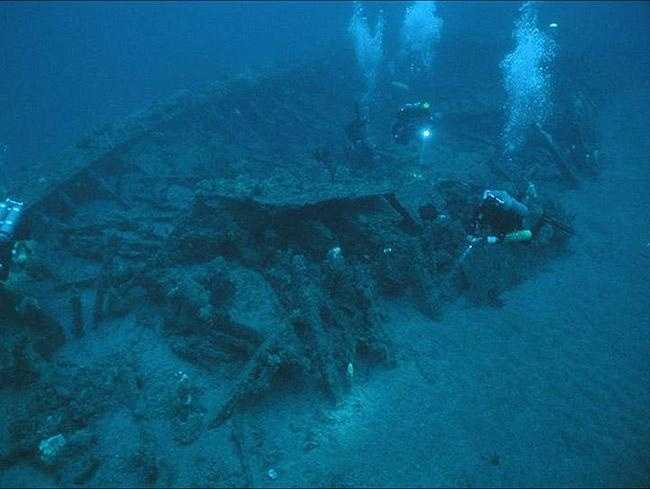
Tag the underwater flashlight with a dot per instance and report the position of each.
(426, 133)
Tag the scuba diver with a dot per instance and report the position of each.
(10, 218)
(360, 152)
(357, 129)
(499, 214)
(412, 120)
(499, 217)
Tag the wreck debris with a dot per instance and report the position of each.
(558, 157)
(49, 449)
(256, 376)
(187, 413)
(239, 440)
(77, 314)
(142, 224)
(310, 329)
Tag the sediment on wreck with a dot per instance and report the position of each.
(264, 265)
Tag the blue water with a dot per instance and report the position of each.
(548, 388)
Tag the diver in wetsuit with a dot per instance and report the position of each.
(357, 130)
(412, 120)
(10, 217)
(499, 214)
(499, 217)
(359, 150)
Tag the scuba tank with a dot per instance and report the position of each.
(507, 201)
(521, 235)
